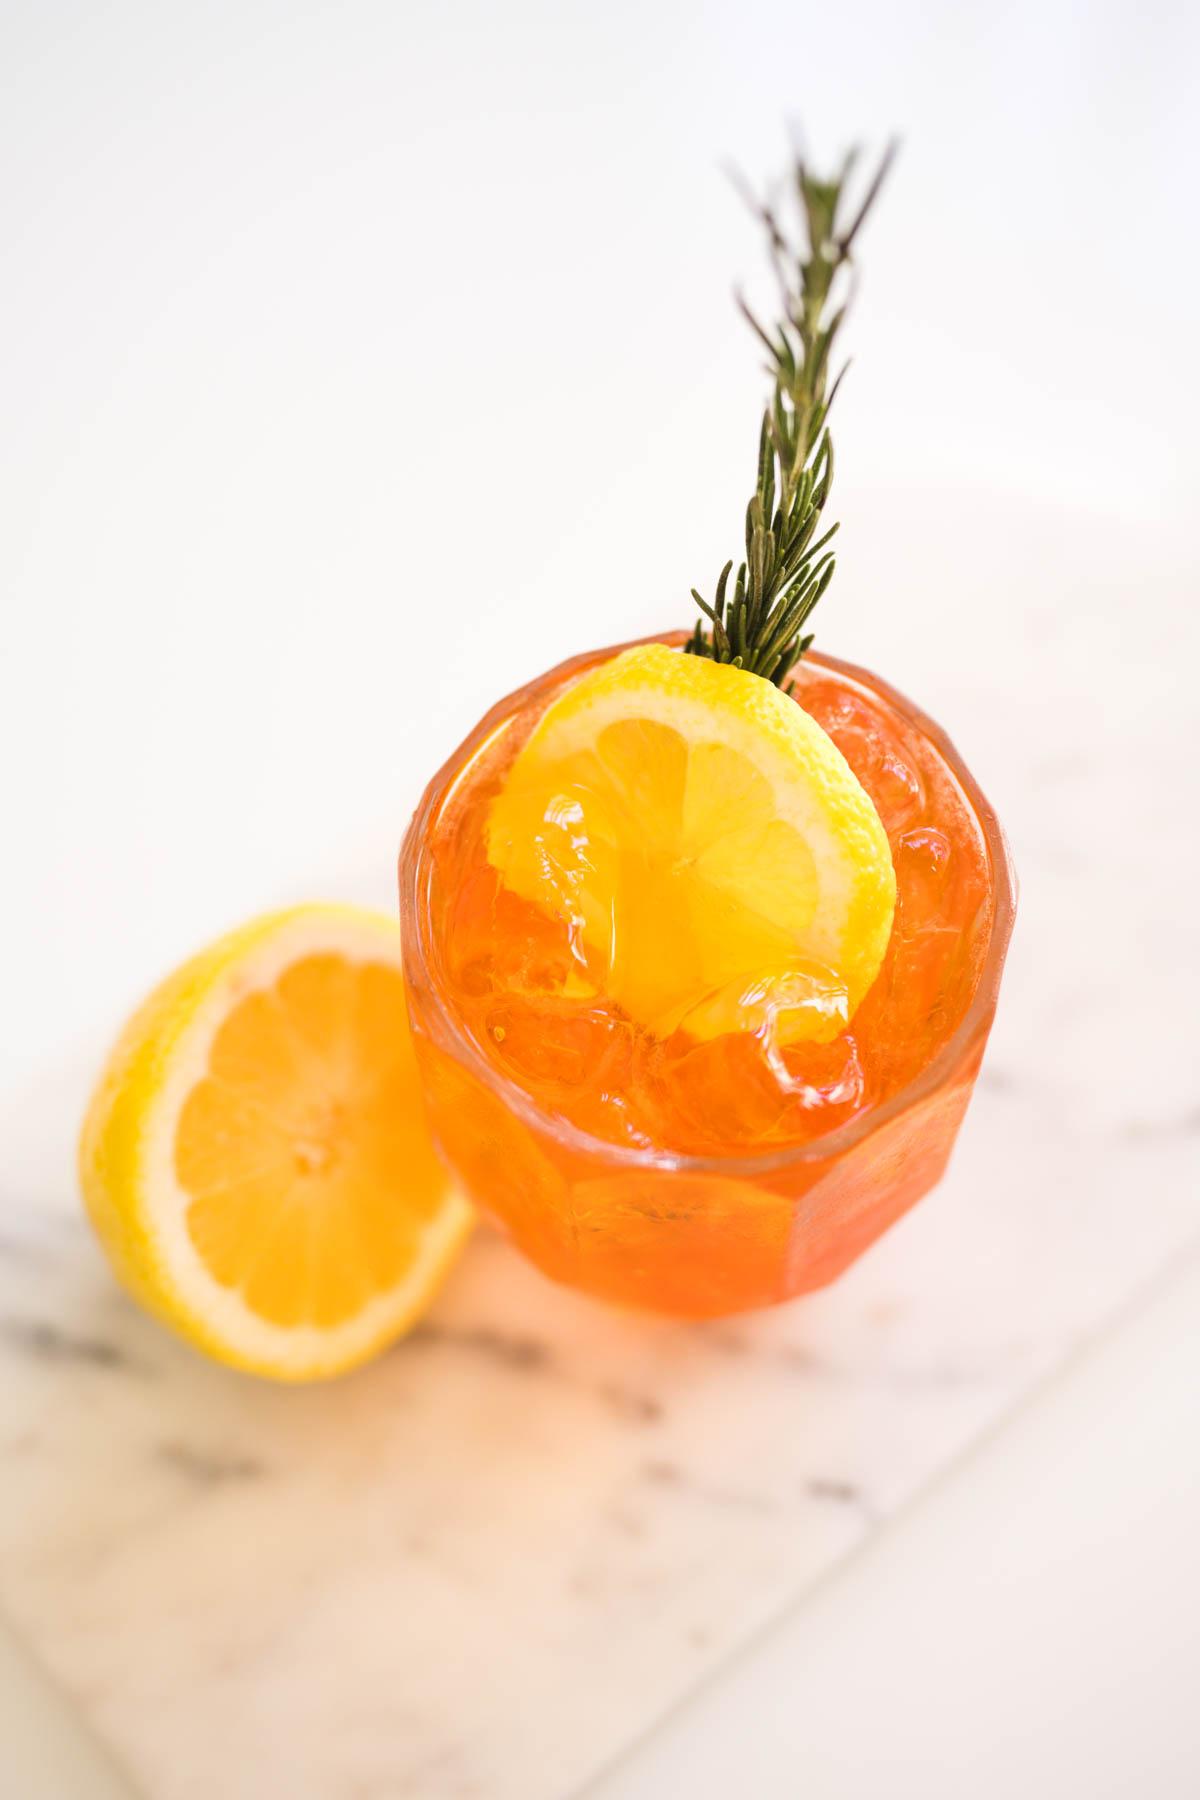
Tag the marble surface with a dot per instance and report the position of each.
(485, 1564)
(1029, 1628)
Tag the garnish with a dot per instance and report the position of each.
(788, 566)
(713, 862)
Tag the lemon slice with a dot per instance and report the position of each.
(715, 860)
(256, 1159)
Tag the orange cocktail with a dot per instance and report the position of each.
(703, 1177)
(702, 937)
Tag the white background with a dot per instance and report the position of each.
(359, 361)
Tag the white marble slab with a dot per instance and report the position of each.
(484, 1565)
(481, 1566)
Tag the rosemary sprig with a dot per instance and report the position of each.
(788, 563)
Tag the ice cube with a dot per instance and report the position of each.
(879, 748)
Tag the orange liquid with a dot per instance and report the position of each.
(700, 1241)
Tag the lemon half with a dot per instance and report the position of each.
(256, 1159)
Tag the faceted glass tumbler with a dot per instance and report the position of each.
(696, 1236)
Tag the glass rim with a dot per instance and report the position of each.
(972, 1028)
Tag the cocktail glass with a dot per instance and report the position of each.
(749, 1223)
